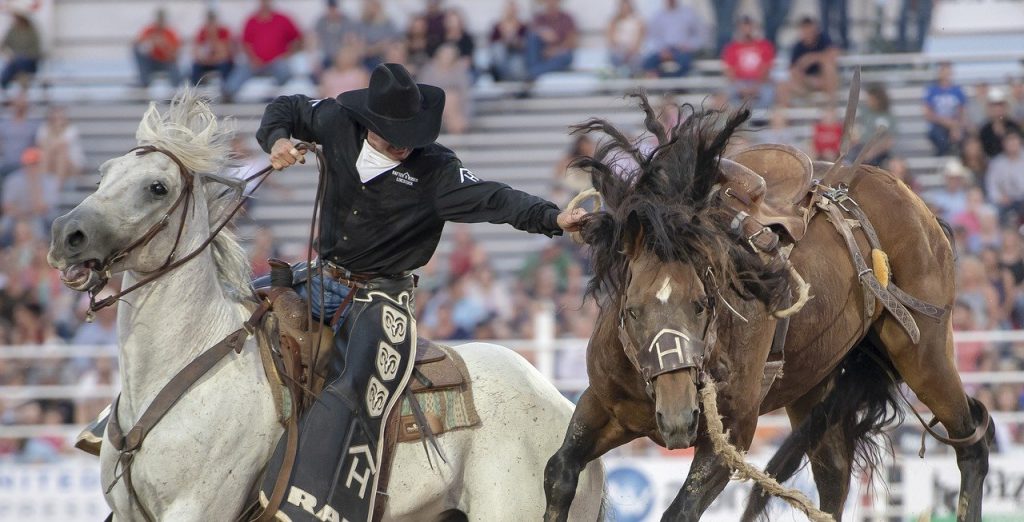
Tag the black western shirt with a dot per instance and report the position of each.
(393, 222)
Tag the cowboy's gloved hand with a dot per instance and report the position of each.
(284, 154)
(571, 220)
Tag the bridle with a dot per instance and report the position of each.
(185, 199)
(683, 350)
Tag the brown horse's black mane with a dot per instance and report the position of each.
(666, 204)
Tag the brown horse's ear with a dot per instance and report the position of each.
(634, 238)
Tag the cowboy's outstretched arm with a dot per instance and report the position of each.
(286, 117)
(463, 197)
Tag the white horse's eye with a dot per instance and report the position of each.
(158, 189)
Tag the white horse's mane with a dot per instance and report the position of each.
(190, 131)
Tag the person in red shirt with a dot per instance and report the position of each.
(268, 40)
(748, 66)
(213, 50)
(828, 136)
(156, 50)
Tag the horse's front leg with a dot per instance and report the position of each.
(592, 432)
(708, 475)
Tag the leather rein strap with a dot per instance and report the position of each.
(128, 444)
(186, 195)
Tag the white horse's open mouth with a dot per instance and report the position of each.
(82, 276)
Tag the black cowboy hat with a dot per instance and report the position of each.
(404, 113)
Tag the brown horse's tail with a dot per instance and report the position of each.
(862, 402)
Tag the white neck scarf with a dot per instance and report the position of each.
(372, 163)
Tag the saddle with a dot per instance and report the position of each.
(766, 185)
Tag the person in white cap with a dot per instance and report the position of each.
(998, 124)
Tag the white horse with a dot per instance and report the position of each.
(200, 461)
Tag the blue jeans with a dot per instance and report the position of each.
(199, 71)
(724, 12)
(922, 10)
(537, 64)
(280, 69)
(834, 14)
(775, 13)
(333, 293)
(16, 66)
(939, 136)
(676, 67)
(148, 67)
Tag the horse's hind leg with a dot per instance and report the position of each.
(929, 370)
(592, 432)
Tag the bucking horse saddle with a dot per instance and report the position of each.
(765, 185)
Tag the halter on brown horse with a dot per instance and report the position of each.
(683, 296)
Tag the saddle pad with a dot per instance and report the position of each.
(447, 405)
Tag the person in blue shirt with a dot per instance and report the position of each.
(945, 109)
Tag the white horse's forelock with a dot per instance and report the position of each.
(191, 131)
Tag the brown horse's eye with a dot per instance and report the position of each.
(700, 307)
(158, 189)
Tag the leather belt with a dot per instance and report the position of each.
(355, 279)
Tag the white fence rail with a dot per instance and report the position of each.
(560, 360)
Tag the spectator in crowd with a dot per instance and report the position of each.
(834, 20)
(972, 155)
(951, 198)
(467, 254)
(748, 66)
(61, 147)
(31, 325)
(455, 35)
(874, 117)
(434, 18)
(976, 291)
(674, 35)
(778, 130)
(775, 13)
(213, 50)
(986, 241)
(945, 109)
(331, 31)
(827, 136)
(269, 39)
(812, 65)
(156, 50)
(977, 105)
(346, 73)
(377, 31)
(417, 45)
(17, 132)
(261, 251)
(921, 10)
(1005, 178)
(508, 45)
(23, 49)
(897, 166)
(29, 194)
(970, 217)
(1017, 98)
(625, 38)
(449, 71)
(573, 178)
(102, 331)
(999, 123)
(550, 41)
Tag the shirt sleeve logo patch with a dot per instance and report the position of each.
(465, 175)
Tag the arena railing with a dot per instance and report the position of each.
(559, 360)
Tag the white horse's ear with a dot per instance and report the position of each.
(149, 126)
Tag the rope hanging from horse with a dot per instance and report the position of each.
(742, 469)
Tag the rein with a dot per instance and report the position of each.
(186, 196)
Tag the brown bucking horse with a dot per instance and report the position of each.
(690, 291)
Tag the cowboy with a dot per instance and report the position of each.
(389, 189)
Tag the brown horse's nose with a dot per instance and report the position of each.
(679, 430)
